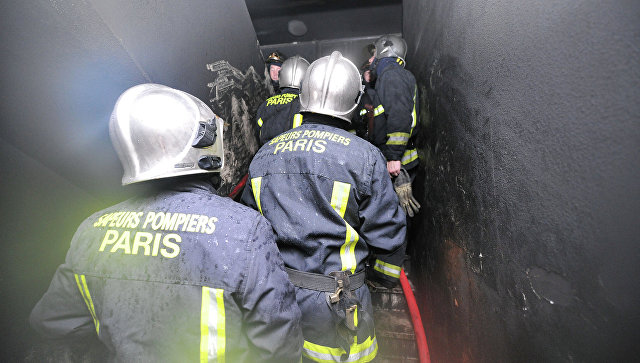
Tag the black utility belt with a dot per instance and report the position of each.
(319, 282)
(339, 289)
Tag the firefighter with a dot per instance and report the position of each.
(177, 273)
(274, 63)
(280, 113)
(330, 200)
(369, 119)
(397, 92)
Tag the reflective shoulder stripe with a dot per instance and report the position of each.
(387, 269)
(256, 183)
(398, 138)
(297, 120)
(260, 122)
(339, 200)
(212, 326)
(363, 112)
(352, 131)
(409, 156)
(86, 296)
(359, 353)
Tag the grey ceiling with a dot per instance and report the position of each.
(324, 19)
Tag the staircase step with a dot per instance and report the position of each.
(394, 329)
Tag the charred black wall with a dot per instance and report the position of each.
(527, 246)
(64, 63)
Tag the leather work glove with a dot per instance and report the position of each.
(402, 185)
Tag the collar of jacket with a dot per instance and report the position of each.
(290, 90)
(199, 183)
(384, 63)
(316, 118)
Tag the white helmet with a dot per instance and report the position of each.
(292, 71)
(160, 132)
(331, 87)
(390, 45)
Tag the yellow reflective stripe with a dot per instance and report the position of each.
(260, 122)
(359, 353)
(376, 111)
(297, 120)
(387, 268)
(355, 317)
(212, 326)
(255, 185)
(398, 138)
(204, 326)
(222, 343)
(339, 200)
(347, 251)
(409, 156)
(339, 197)
(86, 296)
(414, 121)
(396, 142)
(414, 116)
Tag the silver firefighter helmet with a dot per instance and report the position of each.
(160, 132)
(390, 45)
(331, 86)
(292, 72)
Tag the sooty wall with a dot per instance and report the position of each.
(64, 63)
(527, 246)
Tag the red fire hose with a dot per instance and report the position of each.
(239, 187)
(421, 338)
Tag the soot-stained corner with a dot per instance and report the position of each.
(235, 96)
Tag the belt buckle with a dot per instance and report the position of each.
(342, 283)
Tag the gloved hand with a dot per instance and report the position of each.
(402, 185)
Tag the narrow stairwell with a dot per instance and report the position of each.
(394, 330)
